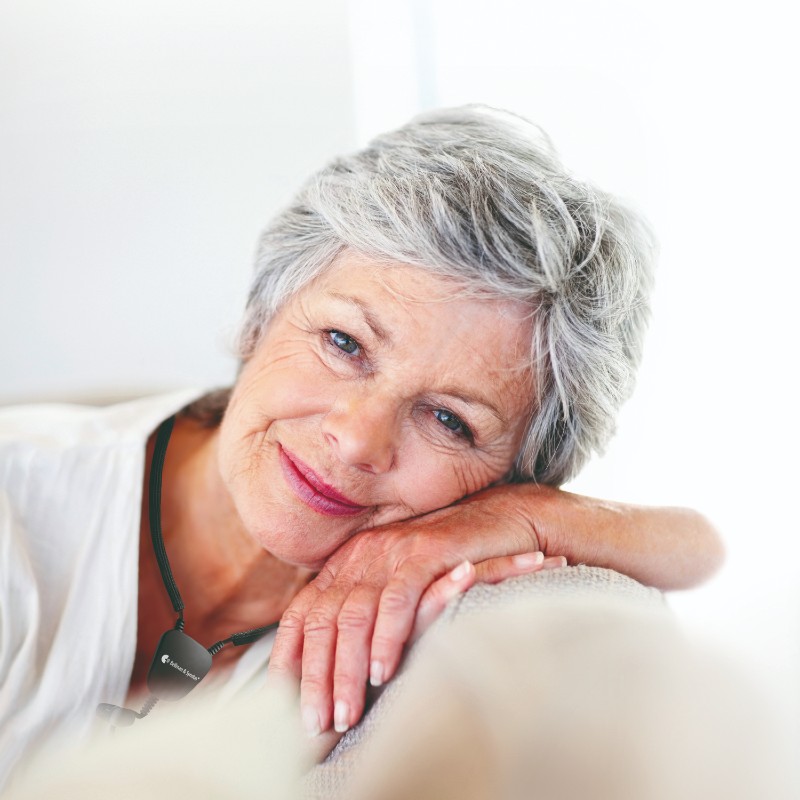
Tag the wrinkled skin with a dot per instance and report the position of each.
(401, 396)
(383, 588)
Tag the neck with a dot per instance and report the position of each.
(227, 581)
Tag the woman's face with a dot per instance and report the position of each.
(376, 394)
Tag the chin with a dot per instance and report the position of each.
(301, 542)
(300, 558)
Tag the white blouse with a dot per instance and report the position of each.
(70, 512)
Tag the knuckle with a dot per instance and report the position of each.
(346, 687)
(385, 646)
(443, 593)
(292, 621)
(429, 607)
(433, 596)
(346, 676)
(353, 618)
(343, 690)
(350, 574)
(277, 668)
(395, 600)
(489, 570)
(313, 683)
(317, 621)
(279, 656)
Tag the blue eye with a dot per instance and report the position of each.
(452, 422)
(345, 343)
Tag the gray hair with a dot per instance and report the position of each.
(479, 195)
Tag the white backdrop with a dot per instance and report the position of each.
(684, 110)
(143, 146)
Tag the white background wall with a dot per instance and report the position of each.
(143, 145)
(685, 110)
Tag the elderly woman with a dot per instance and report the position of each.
(440, 331)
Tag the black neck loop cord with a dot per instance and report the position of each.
(168, 677)
(156, 470)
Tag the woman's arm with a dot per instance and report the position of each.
(351, 622)
(665, 547)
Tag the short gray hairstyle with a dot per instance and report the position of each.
(479, 195)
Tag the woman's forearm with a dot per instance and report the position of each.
(666, 547)
(354, 619)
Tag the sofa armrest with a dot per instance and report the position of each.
(329, 779)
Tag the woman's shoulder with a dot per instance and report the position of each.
(57, 426)
(58, 461)
(71, 481)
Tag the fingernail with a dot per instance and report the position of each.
(311, 721)
(528, 560)
(560, 561)
(376, 673)
(460, 571)
(341, 716)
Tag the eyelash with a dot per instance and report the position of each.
(463, 430)
(330, 334)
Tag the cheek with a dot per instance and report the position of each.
(437, 480)
(270, 517)
(266, 395)
(289, 385)
(296, 538)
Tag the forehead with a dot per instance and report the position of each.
(460, 340)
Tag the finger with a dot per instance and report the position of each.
(285, 660)
(494, 570)
(554, 562)
(395, 620)
(439, 594)
(356, 622)
(319, 647)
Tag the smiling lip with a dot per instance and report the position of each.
(313, 491)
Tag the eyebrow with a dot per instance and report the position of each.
(381, 334)
(385, 337)
(474, 401)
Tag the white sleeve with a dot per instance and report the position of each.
(19, 625)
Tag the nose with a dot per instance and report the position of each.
(362, 429)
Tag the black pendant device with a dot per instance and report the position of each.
(179, 663)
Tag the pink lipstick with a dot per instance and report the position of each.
(313, 491)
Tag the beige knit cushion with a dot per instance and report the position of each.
(329, 780)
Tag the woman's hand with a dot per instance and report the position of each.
(383, 588)
(387, 584)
